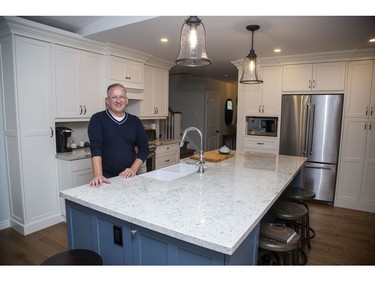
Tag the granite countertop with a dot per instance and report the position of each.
(216, 210)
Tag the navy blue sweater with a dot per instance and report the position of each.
(115, 141)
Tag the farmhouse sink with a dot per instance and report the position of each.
(171, 173)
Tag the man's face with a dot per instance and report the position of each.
(116, 100)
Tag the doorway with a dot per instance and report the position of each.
(212, 128)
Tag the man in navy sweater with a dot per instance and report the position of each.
(118, 141)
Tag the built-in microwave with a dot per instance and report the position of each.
(261, 126)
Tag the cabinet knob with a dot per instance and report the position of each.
(133, 232)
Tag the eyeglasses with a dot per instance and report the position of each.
(114, 98)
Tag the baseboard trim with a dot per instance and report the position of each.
(4, 224)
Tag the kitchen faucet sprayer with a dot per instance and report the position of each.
(201, 159)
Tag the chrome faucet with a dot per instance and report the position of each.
(200, 162)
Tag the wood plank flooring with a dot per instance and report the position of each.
(343, 237)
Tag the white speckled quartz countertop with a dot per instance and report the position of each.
(76, 154)
(216, 210)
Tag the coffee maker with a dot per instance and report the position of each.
(62, 134)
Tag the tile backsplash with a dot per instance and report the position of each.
(79, 131)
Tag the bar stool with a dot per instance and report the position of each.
(294, 215)
(75, 257)
(275, 252)
(300, 195)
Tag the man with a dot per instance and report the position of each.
(118, 141)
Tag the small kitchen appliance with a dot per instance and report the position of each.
(62, 134)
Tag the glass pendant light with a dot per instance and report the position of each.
(251, 67)
(193, 44)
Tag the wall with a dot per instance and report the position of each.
(187, 94)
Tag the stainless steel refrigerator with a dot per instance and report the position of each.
(311, 127)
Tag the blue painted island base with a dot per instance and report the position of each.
(122, 243)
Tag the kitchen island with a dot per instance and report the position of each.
(209, 218)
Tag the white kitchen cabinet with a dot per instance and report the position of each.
(73, 173)
(129, 73)
(29, 133)
(356, 179)
(360, 100)
(261, 144)
(79, 76)
(265, 98)
(167, 155)
(155, 102)
(329, 76)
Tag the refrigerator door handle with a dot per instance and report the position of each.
(312, 120)
(320, 166)
(305, 146)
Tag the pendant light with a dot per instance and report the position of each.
(193, 44)
(251, 67)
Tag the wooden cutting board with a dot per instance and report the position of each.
(213, 156)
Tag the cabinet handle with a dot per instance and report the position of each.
(84, 112)
(166, 160)
(262, 108)
(259, 110)
(366, 110)
(157, 110)
(80, 113)
(51, 131)
(128, 78)
(365, 125)
(260, 143)
(372, 110)
(133, 232)
(369, 127)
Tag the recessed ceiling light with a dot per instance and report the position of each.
(372, 40)
(277, 50)
(164, 40)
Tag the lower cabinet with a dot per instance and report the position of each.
(73, 173)
(167, 155)
(120, 242)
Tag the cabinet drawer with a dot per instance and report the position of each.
(166, 160)
(167, 148)
(255, 143)
(81, 164)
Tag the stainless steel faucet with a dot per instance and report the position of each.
(200, 162)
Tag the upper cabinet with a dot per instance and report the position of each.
(360, 100)
(129, 73)
(265, 98)
(79, 91)
(329, 76)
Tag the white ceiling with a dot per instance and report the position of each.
(227, 37)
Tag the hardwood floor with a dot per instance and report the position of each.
(343, 237)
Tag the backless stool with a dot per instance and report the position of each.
(294, 215)
(300, 195)
(75, 257)
(275, 252)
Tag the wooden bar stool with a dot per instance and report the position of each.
(293, 214)
(75, 257)
(301, 195)
(273, 252)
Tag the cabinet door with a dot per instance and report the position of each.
(93, 93)
(161, 87)
(368, 192)
(253, 99)
(328, 76)
(68, 82)
(127, 72)
(352, 157)
(272, 90)
(358, 89)
(147, 104)
(297, 77)
(34, 87)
